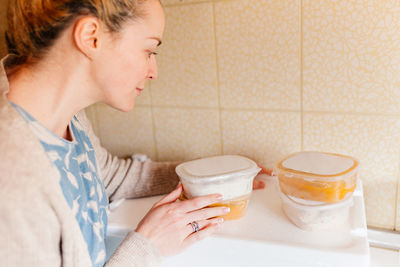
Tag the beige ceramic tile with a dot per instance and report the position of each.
(184, 134)
(265, 137)
(374, 140)
(258, 46)
(124, 134)
(352, 56)
(175, 2)
(186, 60)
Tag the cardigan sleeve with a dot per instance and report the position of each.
(130, 178)
(135, 251)
(26, 240)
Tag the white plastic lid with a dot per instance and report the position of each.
(216, 168)
(319, 163)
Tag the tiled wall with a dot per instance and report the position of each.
(265, 78)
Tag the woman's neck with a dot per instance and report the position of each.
(52, 94)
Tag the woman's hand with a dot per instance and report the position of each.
(167, 224)
(260, 184)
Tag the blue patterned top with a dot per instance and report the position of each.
(79, 181)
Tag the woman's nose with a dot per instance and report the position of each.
(153, 72)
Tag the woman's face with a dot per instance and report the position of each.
(127, 60)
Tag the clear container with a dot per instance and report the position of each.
(229, 175)
(314, 216)
(318, 176)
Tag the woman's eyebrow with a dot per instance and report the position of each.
(157, 39)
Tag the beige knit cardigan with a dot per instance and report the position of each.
(37, 227)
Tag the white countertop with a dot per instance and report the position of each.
(384, 257)
(265, 239)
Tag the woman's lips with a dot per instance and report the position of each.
(139, 90)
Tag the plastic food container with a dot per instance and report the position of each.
(312, 216)
(230, 175)
(317, 176)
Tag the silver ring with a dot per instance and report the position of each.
(195, 226)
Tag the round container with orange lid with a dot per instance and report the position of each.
(317, 176)
(229, 175)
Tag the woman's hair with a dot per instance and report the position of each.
(34, 25)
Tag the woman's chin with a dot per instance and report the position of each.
(124, 107)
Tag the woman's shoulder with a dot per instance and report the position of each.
(82, 118)
(82, 122)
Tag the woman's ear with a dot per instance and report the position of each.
(87, 36)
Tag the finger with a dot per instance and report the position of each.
(266, 171)
(207, 213)
(199, 202)
(171, 197)
(258, 184)
(205, 232)
(202, 224)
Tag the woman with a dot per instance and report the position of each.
(56, 178)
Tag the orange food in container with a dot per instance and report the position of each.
(317, 176)
(229, 175)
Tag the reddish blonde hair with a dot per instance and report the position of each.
(34, 25)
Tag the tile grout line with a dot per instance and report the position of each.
(301, 77)
(318, 112)
(324, 112)
(153, 123)
(216, 108)
(221, 148)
